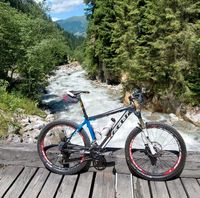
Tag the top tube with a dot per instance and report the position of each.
(118, 110)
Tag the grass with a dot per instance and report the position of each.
(12, 104)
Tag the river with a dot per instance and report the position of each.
(102, 99)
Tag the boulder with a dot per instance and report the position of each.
(126, 98)
(14, 138)
(173, 117)
(193, 115)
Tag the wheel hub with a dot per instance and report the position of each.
(157, 147)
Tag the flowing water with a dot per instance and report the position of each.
(102, 99)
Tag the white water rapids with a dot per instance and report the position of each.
(102, 99)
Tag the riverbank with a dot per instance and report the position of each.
(23, 127)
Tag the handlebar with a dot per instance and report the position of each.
(137, 95)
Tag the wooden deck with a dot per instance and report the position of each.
(26, 177)
(18, 181)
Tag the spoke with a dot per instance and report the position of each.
(169, 142)
(154, 170)
(166, 163)
(67, 159)
(50, 146)
(144, 162)
(165, 139)
(74, 159)
(138, 141)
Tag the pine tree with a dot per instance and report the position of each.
(154, 42)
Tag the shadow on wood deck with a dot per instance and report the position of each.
(23, 175)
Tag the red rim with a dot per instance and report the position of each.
(45, 155)
(145, 172)
(174, 167)
(132, 160)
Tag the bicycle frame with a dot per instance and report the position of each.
(127, 111)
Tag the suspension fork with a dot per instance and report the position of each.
(146, 137)
(148, 142)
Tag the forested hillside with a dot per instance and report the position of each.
(146, 43)
(31, 46)
(76, 25)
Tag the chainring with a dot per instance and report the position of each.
(100, 163)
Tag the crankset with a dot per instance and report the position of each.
(100, 163)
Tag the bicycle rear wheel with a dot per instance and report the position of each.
(169, 159)
(60, 151)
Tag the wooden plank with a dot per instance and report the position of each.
(124, 186)
(2, 167)
(67, 186)
(51, 185)
(7, 177)
(192, 187)
(176, 189)
(159, 189)
(104, 185)
(192, 164)
(84, 185)
(191, 169)
(21, 182)
(36, 184)
(193, 156)
(192, 173)
(20, 154)
(26, 155)
(121, 166)
(141, 188)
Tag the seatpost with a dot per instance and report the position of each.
(83, 107)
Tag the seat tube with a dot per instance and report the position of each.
(83, 108)
(91, 130)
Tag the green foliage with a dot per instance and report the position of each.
(30, 47)
(156, 43)
(10, 104)
(74, 41)
(99, 50)
(30, 7)
(9, 39)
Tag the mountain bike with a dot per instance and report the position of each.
(153, 150)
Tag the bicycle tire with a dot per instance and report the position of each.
(42, 150)
(137, 158)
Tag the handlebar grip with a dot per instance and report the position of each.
(86, 92)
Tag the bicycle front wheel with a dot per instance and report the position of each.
(170, 152)
(60, 151)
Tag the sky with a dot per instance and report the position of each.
(63, 9)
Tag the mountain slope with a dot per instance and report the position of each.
(76, 25)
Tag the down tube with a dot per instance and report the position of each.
(115, 129)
